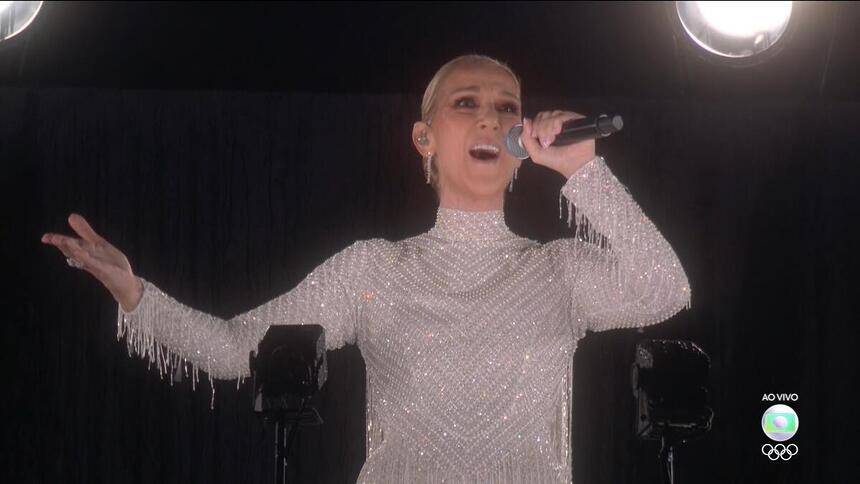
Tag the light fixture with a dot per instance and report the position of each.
(734, 30)
(16, 16)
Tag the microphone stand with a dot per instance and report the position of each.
(284, 441)
(288, 368)
(667, 461)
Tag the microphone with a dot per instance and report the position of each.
(572, 131)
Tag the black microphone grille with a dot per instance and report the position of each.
(607, 125)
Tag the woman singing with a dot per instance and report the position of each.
(467, 330)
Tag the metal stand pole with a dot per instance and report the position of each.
(667, 461)
(284, 441)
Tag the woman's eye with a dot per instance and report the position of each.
(460, 101)
(468, 102)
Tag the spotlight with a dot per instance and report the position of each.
(16, 16)
(734, 30)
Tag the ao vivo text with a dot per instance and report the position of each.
(779, 397)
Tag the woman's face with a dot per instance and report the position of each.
(475, 105)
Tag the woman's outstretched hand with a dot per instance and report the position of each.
(538, 135)
(97, 256)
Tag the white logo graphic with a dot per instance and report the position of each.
(779, 451)
(780, 422)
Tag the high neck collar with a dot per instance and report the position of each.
(453, 224)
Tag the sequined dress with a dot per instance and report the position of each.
(467, 331)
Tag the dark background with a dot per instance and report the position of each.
(229, 148)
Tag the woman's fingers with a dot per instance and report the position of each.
(542, 128)
(80, 225)
(547, 127)
(539, 134)
(75, 248)
(56, 241)
(94, 255)
(79, 254)
(70, 247)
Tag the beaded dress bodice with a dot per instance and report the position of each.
(467, 331)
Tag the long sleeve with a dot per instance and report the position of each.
(171, 334)
(622, 272)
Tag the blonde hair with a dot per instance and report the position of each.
(429, 100)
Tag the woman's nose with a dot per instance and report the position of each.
(489, 119)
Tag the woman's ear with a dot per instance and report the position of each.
(422, 138)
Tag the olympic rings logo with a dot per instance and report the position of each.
(779, 451)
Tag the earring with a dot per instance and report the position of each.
(428, 160)
(511, 186)
(422, 138)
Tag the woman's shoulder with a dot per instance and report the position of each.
(373, 248)
(378, 254)
(371, 245)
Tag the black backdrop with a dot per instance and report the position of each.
(227, 199)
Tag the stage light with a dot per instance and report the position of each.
(735, 29)
(16, 16)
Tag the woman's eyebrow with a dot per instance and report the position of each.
(478, 89)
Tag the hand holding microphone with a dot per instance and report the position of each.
(560, 140)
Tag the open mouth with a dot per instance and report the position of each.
(484, 152)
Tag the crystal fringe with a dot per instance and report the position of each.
(140, 340)
(535, 468)
(594, 186)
